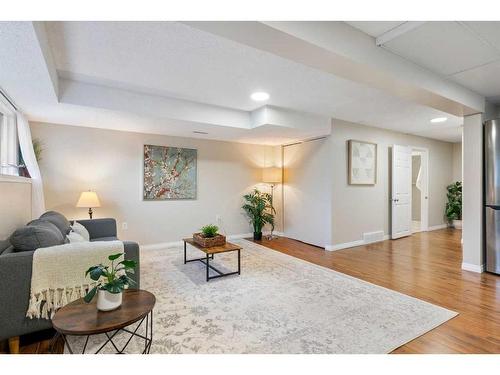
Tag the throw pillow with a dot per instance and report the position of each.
(59, 220)
(36, 234)
(81, 230)
(75, 237)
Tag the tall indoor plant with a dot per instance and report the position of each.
(454, 205)
(259, 209)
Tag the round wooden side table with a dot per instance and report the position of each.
(83, 319)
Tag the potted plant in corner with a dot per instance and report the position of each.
(114, 281)
(209, 236)
(258, 207)
(454, 204)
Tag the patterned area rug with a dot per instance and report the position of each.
(279, 304)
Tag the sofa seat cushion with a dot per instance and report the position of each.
(103, 239)
(59, 220)
(38, 233)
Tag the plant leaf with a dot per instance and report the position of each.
(88, 297)
(115, 256)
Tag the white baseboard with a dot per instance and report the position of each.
(437, 227)
(347, 245)
(473, 267)
(166, 245)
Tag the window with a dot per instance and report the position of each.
(9, 155)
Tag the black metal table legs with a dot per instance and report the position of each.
(147, 337)
(208, 266)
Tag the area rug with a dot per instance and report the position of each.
(279, 304)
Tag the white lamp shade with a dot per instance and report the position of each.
(271, 175)
(88, 199)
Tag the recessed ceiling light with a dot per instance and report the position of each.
(259, 96)
(439, 119)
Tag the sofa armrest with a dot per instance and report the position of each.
(15, 271)
(99, 228)
(132, 253)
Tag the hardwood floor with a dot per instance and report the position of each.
(427, 266)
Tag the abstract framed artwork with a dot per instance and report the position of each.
(362, 165)
(169, 173)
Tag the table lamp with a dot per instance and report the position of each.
(88, 199)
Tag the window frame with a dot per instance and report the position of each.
(9, 143)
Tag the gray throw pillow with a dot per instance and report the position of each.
(59, 220)
(38, 233)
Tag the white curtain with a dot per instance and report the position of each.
(26, 145)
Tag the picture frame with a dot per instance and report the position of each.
(169, 173)
(362, 163)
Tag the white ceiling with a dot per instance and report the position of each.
(466, 52)
(171, 61)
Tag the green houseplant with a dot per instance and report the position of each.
(111, 282)
(258, 207)
(209, 236)
(453, 210)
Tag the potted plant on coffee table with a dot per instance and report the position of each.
(111, 282)
(209, 236)
(258, 207)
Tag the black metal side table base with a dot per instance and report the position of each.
(147, 337)
(206, 262)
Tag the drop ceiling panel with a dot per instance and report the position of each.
(443, 47)
(484, 79)
(488, 30)
(375, 28)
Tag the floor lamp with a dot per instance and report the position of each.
(272, 176)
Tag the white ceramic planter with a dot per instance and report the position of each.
(107, 301)
(457, 224)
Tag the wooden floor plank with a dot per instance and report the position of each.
(427, 266)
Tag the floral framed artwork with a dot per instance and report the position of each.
(362, 163)
(169, 173)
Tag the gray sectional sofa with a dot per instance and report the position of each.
(15, 279)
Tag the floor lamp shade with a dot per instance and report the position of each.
(88, 199)
(271, 175)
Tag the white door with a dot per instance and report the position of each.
(401, 191)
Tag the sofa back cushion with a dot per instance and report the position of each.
(59, 220)
(38, 233)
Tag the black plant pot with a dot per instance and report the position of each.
(257, 236)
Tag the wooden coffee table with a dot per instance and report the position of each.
(210, 252)
(79, 318)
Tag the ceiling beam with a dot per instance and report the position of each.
(397, 32)
(300, 50)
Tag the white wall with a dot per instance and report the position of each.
(110, 162)
(15, 204)
(472, 201)
(307, 192)
(360, 209)
(457, 161)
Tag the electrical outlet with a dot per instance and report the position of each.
(218, 219)
(124, 225)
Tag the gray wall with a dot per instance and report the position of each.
(457, 161)
(110, 162)
(360, 209)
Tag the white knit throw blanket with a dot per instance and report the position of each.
(58, 274)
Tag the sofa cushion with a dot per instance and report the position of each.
(4, 246)
(59, 220)
(38, 233)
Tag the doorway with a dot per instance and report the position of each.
(409, 193)
(419, 190)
